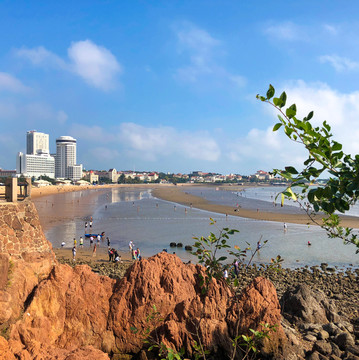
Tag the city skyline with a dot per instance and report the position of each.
(171, 86)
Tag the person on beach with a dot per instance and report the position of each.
(94, 251)
(75, 242)
(138, 255)
(309, 243)
(117, 258)
(236, 267)
(225, 273)
(108, 241)
(131, 245)
(285, 226)
(110, 254)
(63, 244)
(91, 240)
(74, 253)
(133, 254)
(90, 224)
(86, 225)
(81, 242)
(98, 239)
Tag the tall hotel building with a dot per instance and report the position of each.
(65, 165)
(37, 161)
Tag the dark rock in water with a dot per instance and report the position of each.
(188, 247)
(172, 244)
(323, 266)
(179, 245)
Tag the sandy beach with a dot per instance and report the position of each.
(177, 194)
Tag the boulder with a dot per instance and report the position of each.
(304, 305)
(68, 310)
(75, 309)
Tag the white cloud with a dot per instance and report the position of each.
(340, 63)
(201, 50)
(275, 150)
(91, 133)
(151, 143)
(93, 63)
(41, 57)
(10, 83)
(331, 29)
(286, 31)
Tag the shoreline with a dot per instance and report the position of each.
(178, 195)
(175, 194)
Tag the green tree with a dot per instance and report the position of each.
(325, 155)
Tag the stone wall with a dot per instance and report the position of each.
(26, 257)
(20, 230)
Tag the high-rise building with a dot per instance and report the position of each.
(37, 160)
(35, 165)
(65, 160)
(37, 143)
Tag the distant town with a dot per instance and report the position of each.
(62, 168)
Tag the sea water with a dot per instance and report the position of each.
(152, 224)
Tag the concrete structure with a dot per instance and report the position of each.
(7, 173)
(37, 142)
(35, 165)
(65, 161)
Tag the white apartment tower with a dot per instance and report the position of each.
(37, 143)
(65, 161)
(37, 160)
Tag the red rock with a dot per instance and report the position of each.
(5, 352)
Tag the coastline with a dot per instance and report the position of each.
(172, 193)
(178, 195)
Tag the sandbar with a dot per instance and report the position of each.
(179, 195)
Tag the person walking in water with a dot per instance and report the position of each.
(285, 226)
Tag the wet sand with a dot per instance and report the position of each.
(85, 255)
(84, 207)
(178, 194)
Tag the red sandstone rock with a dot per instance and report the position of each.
(68, 310)
(74, 308)
(258, 304)
(5, 352)
(26, 256)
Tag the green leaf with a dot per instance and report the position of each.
(310, 115)
(270, 92)
(291, 170)
(283, 98)
(277, 126)
(336, 146)
(278, 102)
(291, 111)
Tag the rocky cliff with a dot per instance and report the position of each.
(26, 257)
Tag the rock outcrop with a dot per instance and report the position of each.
(26, 257)
(76, 308)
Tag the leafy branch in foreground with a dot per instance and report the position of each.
(324, 155)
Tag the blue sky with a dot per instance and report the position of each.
(171, 85)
